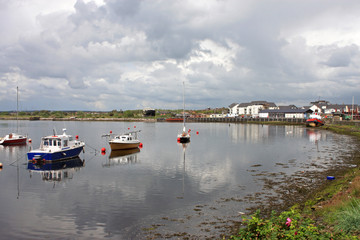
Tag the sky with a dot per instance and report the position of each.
(108, 55)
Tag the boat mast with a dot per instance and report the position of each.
(17, 109)
(184, 106)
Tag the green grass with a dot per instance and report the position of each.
(348, 218)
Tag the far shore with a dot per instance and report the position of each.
(270, 121)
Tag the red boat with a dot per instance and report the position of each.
(13, 139)
(314, 121)
(174, 119)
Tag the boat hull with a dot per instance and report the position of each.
(123, 146)
(174, 119)
(184, 139)
(313, 122)
(9, 142)
(55, 156)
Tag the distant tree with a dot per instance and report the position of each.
(58, 114)
(80, 114)
(44, 113)
(128, 114)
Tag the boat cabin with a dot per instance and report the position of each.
(56, 143)
(124, 138)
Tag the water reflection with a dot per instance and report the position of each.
(314, 136)
(184, 146)
(258, 133)
(56, 171)
(13, 151)
(119, 157)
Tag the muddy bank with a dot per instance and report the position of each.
(280, 191)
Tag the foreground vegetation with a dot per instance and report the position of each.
(333, 213)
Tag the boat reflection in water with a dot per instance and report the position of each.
(314, 136)
(119, 157)
(56, 171)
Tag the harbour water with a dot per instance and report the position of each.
(164, 190)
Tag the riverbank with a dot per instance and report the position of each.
(328, 211)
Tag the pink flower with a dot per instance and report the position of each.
(288, 223)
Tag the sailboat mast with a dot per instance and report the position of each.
(184, 105)
(17, 108)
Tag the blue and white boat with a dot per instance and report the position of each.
(57, 147)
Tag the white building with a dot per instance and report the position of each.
(250, 109)
(285, 113)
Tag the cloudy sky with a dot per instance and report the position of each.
(129, 54)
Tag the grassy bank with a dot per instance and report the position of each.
(332, 213)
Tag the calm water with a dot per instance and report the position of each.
(166, 187)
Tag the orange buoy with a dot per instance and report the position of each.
(103, 150)
(134, 126)
(197, 132)
(140, 145)
(128, 128)
(77, 137)
(110, 131)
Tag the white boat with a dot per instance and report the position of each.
(125, 141)
(184, 136)
(57, 147)
(14, 138)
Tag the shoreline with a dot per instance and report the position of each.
(270, 121)
(316, 201)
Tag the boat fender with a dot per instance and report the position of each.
(140, 145)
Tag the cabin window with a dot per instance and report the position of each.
(54, 142)
(70, 138)
(65, 143)
(50, 142)
(59, 143)
(46, 142)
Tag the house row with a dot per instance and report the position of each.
(264, 109)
